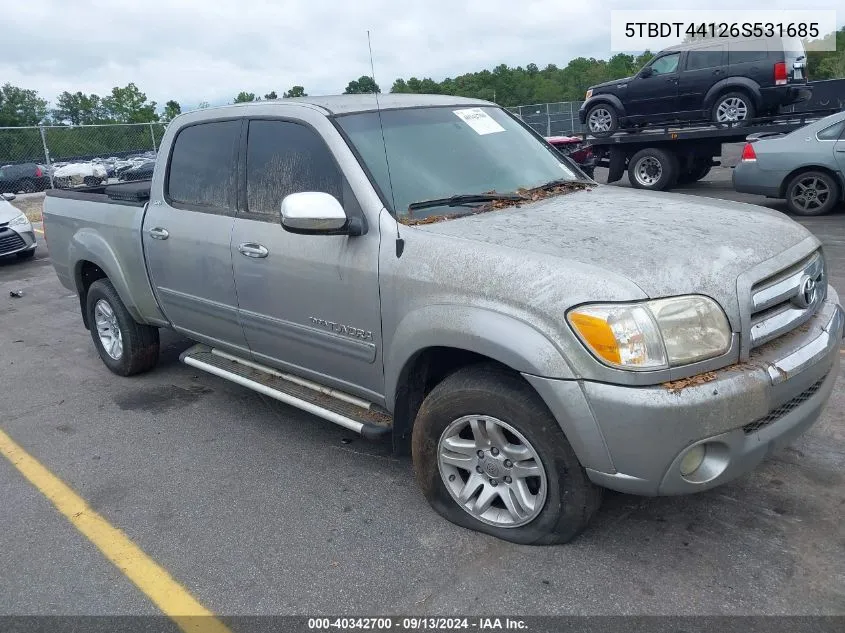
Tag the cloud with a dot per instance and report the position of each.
(196, 51)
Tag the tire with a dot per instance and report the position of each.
(695, 174)
(602, 120)
(731, 107)
(27, 185)
(139, 343)
(820, 193)
(26, 254)
(653, 169)
(565, 499)
(91, 181)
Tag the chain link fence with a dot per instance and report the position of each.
(552, 119)
(61, 156)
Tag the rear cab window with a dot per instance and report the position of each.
(201, 173)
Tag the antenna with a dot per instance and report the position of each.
(400, 243)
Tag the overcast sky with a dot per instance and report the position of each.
(192, 50)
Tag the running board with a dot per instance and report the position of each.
(365, 418)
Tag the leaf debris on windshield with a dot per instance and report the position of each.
(528, 195)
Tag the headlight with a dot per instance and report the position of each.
(653, 334)
(18, 220)
(589, 94)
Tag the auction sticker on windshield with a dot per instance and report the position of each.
(479, 120)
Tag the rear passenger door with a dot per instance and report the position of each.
(704, 67)
(309, 304)
(187, 233)
(750, 58)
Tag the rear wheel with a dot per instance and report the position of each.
(812, 193)
(489, 456)
(125, 346)
(732, 107)
(653, 168)
(27, 185)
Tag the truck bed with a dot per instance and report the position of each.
(134, 193)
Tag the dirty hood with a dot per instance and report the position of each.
(667, 244)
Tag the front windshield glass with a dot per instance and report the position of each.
(445, 151)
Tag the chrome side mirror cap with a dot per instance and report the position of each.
(317, 213)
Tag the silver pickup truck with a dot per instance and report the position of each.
(427, 268)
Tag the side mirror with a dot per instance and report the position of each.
(646, 72)
(317, 213)
(9, 197)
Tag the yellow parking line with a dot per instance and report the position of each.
(159, 586)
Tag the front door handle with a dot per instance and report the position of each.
(841, 150)
(158, 233)
(253, 249)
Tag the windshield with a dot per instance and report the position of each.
(446, 151)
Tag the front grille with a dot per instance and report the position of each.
(10, 241)
(782, 302)
(782, 410)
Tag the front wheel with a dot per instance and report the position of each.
(812, 193)
(602, 120)
(489, 456)
(125, 346)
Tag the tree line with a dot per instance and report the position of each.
(507, 86)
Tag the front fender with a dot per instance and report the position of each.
(88, 245)
(602, 98)
(503, 338)
(732, 83)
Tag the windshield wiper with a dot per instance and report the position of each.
(462, 199)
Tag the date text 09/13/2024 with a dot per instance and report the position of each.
(416, 623)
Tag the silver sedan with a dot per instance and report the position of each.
(806, 167)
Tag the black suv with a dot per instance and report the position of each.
(26, 178)
(717, 80)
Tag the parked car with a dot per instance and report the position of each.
(144, 171)
(23, 178)
(577, 149)
(78, 174)
(720, 81)
(529, 336)
(806, 167)
(16, 234)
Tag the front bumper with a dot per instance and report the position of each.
(743, 415)
(17, 240)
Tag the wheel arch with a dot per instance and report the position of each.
(607, 99)
(813, 167)
(733, 84)
(434, 341)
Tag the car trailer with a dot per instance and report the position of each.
(659, 157)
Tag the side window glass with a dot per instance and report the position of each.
(284, 158)
(667, 64)
(201, 171)
(709, 57)
(832, 132)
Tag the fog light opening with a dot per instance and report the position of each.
(693, 459)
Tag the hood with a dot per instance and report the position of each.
(7, 211)
(611, 83)
(666, 244)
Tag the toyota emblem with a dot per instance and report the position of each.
(806, 293)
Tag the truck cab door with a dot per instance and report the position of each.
(309, 304)
(654, 91)
(187, 232)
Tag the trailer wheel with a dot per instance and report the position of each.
(653, 169)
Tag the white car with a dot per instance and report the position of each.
(16, 234)
(76, 174)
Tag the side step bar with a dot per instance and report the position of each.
(365, 418)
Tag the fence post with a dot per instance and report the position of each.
(571, 119)
(46, 156)
(548, 122)
(153, 136)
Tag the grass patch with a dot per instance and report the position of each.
(31, 206)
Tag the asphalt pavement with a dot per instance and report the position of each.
(258, 508)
